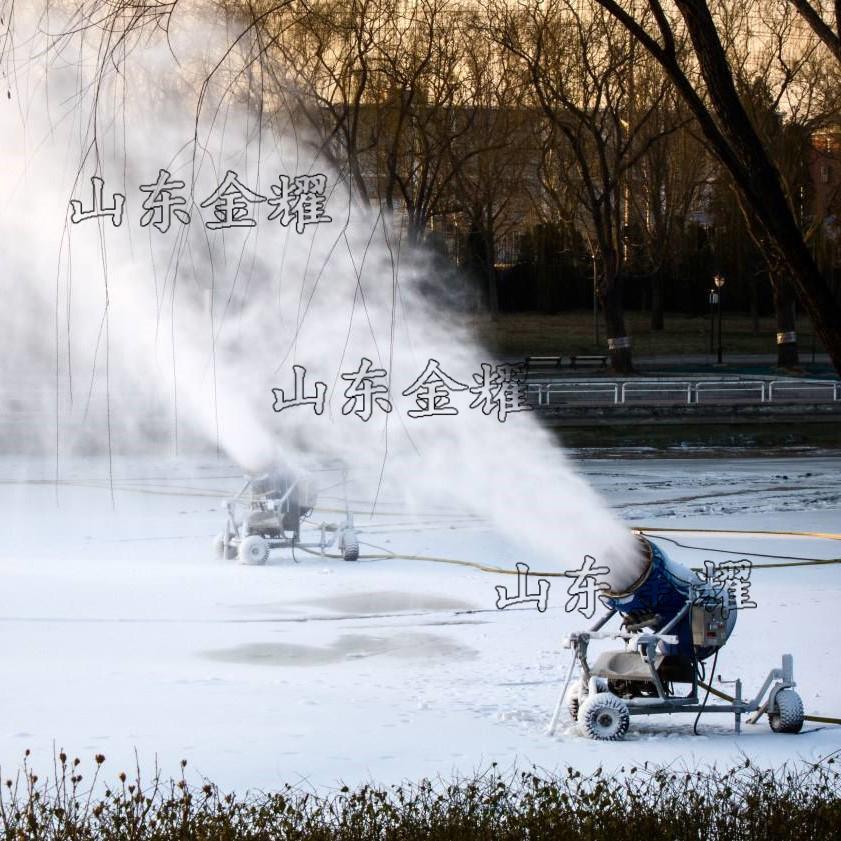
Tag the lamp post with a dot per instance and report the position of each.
(718, 280)
(713, 300)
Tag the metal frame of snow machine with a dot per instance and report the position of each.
(637, 681)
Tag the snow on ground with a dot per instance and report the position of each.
(122, 633)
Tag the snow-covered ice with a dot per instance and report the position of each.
(121, 632)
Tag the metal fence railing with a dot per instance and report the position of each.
(653, 392)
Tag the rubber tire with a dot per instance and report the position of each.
(350, 547)
(253, 550)
(788, 715)
(604, 717)
(573, 699)
(575, 692)
(221, 550)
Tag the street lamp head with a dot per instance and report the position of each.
(718, 280)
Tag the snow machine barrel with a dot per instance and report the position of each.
(666, 595)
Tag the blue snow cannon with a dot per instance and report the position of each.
(672, 620)
(661, 593)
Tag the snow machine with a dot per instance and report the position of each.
(270, 512)
(672, 621)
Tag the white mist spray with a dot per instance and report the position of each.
(133, 336)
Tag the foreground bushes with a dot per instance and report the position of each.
(645, 803)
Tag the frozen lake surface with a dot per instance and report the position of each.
(122, 633)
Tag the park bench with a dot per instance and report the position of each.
(543, 364)
(588, 359)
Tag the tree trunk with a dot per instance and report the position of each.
(657, 300)
(787, 353)
(610, 292)
(754, 305)
(480, 266)
(490, 264)
(493, 292)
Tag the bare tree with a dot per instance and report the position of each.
(781, 76)
(583, 70)
(815, 16)
(381, 84)
(721, 114)
(493, 191)
(666, 188)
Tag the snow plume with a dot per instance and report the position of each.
(127, 338)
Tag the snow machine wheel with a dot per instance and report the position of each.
(573, 698)
(222, 549)
(577, 694)
(350, 546)
(605, 717)
(253, 550)
(787, 716)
